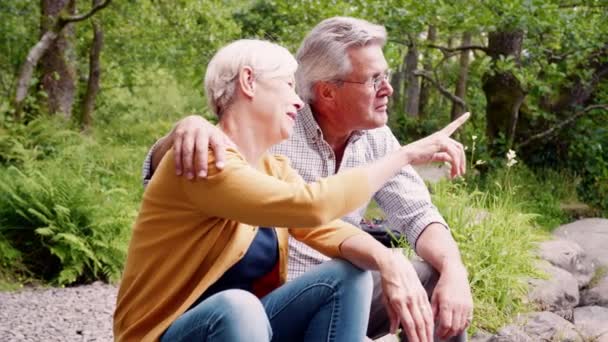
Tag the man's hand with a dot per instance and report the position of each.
(406, 300)
(439, 147)
(452, 301)
(191, 138)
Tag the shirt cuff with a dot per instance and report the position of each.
(146, 171)
(421, 224)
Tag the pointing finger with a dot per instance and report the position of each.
(454, 125)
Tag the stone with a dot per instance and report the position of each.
(592, 322)
(434, 172)
(547, 326)
(511, 333)
(591, 234)
(569, 256)
(558, 294)
(481, 336)
(597, 294)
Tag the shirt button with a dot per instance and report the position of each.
(254, 229)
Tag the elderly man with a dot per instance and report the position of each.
(343, 78)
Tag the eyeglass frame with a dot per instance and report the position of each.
(376, 81)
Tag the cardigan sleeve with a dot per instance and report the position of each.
(326, 238)
(240, 192)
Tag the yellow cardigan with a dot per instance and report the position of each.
(189, 233)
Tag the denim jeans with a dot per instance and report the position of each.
(330, 302)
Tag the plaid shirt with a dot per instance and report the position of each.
(404, 199)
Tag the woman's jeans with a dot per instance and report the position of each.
(330, 302)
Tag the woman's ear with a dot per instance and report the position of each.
(246, 81)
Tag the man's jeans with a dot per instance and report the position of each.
(330, 302)
(379, 323)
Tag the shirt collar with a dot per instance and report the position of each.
(312, 129)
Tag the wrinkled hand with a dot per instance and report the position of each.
(439, 147)
(452, 302)
(406, 300)
(191, 138)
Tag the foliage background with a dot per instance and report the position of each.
(68, 196)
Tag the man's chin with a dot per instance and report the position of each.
(381, 118)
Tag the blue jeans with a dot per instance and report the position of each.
(330, 302)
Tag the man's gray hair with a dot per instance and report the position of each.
(323, 54)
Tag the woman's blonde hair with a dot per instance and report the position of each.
(266, 59)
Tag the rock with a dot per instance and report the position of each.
(592, 322)
(596, 295)
(591, 234)
(481, 336)
(569, 256)
(558, 294)
(547, 326)
(433, 173)
(510, 333)
(578, 209)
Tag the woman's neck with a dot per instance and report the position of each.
(245, 134)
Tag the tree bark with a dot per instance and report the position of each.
(58, 64)
(503, 91)
(27, 69)
(396, 103)
(93, 83)
(463, 74)
(413, 85)
(425, 86)
(52, 27)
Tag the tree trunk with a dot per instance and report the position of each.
(413, 85)
(396, 103)
(425, 87)
(27, 69)
(58, 63)
(88, 105)
(503, 91)
(463, 74)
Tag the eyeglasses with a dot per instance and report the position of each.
(376, 82)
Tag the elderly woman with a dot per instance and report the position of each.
(207, 259)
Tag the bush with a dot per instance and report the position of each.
(64, 213)
(496, 240)
(64, 230)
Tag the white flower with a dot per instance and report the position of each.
(474, 137)
(466, 148)
(511, 158)
(480, 162)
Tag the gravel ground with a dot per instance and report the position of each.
(82, 313)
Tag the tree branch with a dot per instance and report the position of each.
(440, 88)
(76, 18)
(582, 4)
(562, 124)
(448, 50)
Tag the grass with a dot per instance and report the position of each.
(497, 221)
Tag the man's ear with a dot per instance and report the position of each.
(324, 91)
(246, 81)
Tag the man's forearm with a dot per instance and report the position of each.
(162, 147)
(437, 247)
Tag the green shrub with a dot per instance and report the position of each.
(496, 240)
(65, 229)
